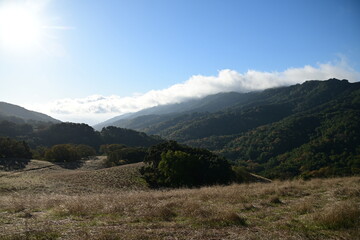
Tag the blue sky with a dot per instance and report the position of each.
(111, 53)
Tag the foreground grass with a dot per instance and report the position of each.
(59, 205)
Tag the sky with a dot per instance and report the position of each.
(89, 60)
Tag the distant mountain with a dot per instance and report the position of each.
(142, 119)
(17, 114)
(309, 129)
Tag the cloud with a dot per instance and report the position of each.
(97, 108)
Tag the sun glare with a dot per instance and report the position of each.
(20, 27)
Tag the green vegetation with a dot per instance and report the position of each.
(323, 142)
(64, 133)
(172, 165)
(308, 130)
(118, 154)
(127, 137)
(68, 152)
(75, 133)
(11, 129)
(10, 148)
(66, 142)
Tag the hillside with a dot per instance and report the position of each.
(142, 119)
(17, 114)
(48, 201)
(266, 107)
(30, 176)
(309, 129)
(229, 113)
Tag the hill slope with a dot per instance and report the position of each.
(309, 129)
(149, 116)
(17, 114)
(266, 107)
(56, 203)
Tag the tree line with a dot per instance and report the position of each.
(69, 141)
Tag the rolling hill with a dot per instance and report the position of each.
(47, 201)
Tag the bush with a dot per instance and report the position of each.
(108, 148)
(179, 168)
(68, 152)
(172, 165)
(124, 155)
(10, 148)
(85, 151)
(39, 152)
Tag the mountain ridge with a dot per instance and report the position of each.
(210, 103)
(309, 129)
(14, 113)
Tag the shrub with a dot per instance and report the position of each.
(68, 152)
(61, 153)
(39, 152)
(124, 155)
(10, 148)
(172, 165)
(84, 151)
(107, 148)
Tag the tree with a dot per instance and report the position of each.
(68, 152)
(10, 148)
(108, 148)
(124, 156)
(172, 165)
(111, 135)
(179, 169)
(85, 151)
(62, 153)
(69, 133)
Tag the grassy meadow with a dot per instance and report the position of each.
(49, 201)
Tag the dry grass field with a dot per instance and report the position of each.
(47, 201)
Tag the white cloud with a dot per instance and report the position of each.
(97, 108)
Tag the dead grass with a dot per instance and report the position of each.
(305, 206)
(115, 204)
(344, 214)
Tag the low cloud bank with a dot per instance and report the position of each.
(97, 108)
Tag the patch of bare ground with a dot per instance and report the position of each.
(102, 204)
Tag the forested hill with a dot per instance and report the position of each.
(309, 129)
(144, 118)
(230, 113)
(266, 107)
(312, 130)
(13, 113)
